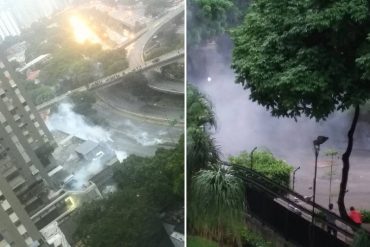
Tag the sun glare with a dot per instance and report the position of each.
(83, 32)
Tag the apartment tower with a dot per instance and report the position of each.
(25, 145)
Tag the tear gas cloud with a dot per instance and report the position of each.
(67, 121)
(243, 124)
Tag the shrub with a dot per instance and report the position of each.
(265, 163)
(365, 216)
(253, 239)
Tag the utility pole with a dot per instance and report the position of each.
(332, 153)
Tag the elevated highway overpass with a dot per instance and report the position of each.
(116, 78)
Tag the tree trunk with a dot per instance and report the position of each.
(345, 170)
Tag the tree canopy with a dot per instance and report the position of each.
(209, 18)
(123, 219)
(147, 186)
(306, 58)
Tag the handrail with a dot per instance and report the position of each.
(262, 182)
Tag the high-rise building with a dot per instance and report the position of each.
(18, 14)
(25, 145)
(8, 24)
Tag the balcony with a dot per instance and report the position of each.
(16, 182)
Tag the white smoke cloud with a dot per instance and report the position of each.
(121, 155)
(67, 121)
(142, 137)
(83, 175)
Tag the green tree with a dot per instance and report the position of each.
(147, 180)
(218, 204)
(266, 164)
(206, 19)
(201, 147)
(147, 186)
(123, 219)
(41, 94)
(306, 58)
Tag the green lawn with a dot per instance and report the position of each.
(200, 242)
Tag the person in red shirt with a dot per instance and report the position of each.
(355, 216)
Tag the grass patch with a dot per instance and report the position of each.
(200, 242)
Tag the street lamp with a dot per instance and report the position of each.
(316, 144)
(295, 170)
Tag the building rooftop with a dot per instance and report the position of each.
(35, 61)
(86, 147)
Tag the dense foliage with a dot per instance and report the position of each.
(306, 58)
(123, 219)
(147, 186)
(365, 216)
(216, 194)
(265, 163)
(209, 18)
(160, 176)
(201, 148)
(362, 239)
(253, 239)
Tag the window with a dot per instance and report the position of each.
(13, 217)
(21, 229)
(5, 205)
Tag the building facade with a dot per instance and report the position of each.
(18, 14)
(24, 180)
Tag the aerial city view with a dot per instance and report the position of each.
(92, 123)
(278, 130)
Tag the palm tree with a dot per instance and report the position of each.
(218, 204)
(201, 148)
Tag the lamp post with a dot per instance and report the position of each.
(295, 170)
(316, 144)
